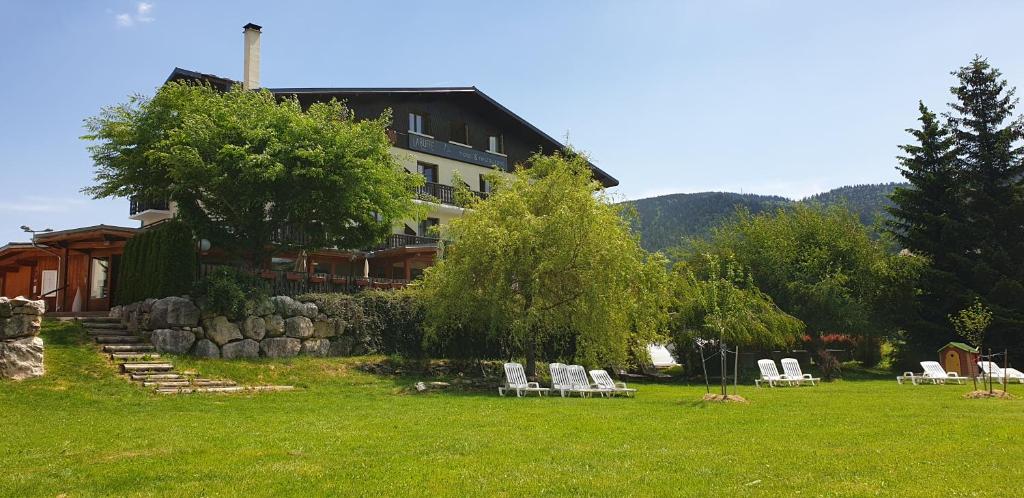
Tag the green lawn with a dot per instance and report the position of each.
(82, 430)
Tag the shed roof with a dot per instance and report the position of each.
(959, 345)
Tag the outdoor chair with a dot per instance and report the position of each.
(561, 382)
(515, 380)
(770, 375)
(991, 370)
(581, 383)
(792, 368)
(604, 382)
(934, 372)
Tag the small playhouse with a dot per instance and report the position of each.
(960, 358)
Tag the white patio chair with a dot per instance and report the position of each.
(581, 383)
(934, 372)
(792, 369)
(515, 380)
(997, 373)
(560, 380)
(914, 379)
(770, 374)
(604, 382)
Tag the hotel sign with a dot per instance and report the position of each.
(457, 152)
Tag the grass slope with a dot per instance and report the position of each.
(83, 431)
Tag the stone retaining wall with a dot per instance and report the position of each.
(21, 348)
(277, 327)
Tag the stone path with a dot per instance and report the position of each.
(137, 359)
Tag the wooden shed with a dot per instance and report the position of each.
(959, 357)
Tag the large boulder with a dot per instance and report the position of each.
(246, 348)
(219, 330)
(20, 325)
(21, 358)
(316, 347)
(205, 348)
(254, 327)
(274, 325)
(171, 312)
(27, 306)
(280, 347)
(309, 310)
(286, 306)
(261, 307)
(172, 340)
(5, 307)
(298, 327)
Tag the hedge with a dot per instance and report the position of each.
(391, 321)
(157, 263)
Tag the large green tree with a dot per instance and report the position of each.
(823, 267)
(717, 303)
(963, 211)
(247, 169)
(548, 256)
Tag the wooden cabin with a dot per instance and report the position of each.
(72, 270)
(959, 357)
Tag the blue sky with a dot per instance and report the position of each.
(773, 97)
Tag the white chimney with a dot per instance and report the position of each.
(251, 71)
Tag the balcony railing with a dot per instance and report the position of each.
(289, 283)
(439, 192)
(402, 240)
(138, 205)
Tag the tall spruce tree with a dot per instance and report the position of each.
(927, 220)
(965, 210)
(989, 162)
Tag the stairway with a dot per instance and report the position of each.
(136, 359)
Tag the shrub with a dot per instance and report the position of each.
(392, 321)
(158, 262)
(226, 291)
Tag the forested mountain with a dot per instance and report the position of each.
(665, 220)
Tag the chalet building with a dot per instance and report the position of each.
(441, 133)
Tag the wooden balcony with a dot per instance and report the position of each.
(441, 193)
(402, 240)
(290, 283)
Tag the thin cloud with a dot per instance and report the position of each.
(143, 14)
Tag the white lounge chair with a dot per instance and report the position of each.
(604, 382)
(792, 369)
(560, 380)
(515, 380)
(770, 375)
(990, 369)
(934, 373)
(913, 378)
(581, 383)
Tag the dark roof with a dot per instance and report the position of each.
(961, 346)
(42, 237)
(225, 83)
(257, 27)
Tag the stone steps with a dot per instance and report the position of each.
(118, 339)
(108, 332)
(102, 325)
(146, 367)
(190, 390)
(134, 356)
(155, 377)
(128, 348)
(98, 319)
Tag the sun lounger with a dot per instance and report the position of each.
(604, 382)
(934, 372)
(515, 381)
(990, 369)
(770, 375)
(581, 383)
(562, 382)
(792, 368)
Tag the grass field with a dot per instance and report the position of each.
(81, 430)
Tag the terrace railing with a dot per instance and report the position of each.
(290, 283)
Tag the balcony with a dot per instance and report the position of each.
(402, 240)
(441, 193)
(149, 211)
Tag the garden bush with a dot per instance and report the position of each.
(227, 290)
(392, 321)
(158, 262)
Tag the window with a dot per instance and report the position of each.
(426, 225)
(419, 123)
(459, 132)
(485, 186)
(98, 278)
(429, 171)
(496, 144)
